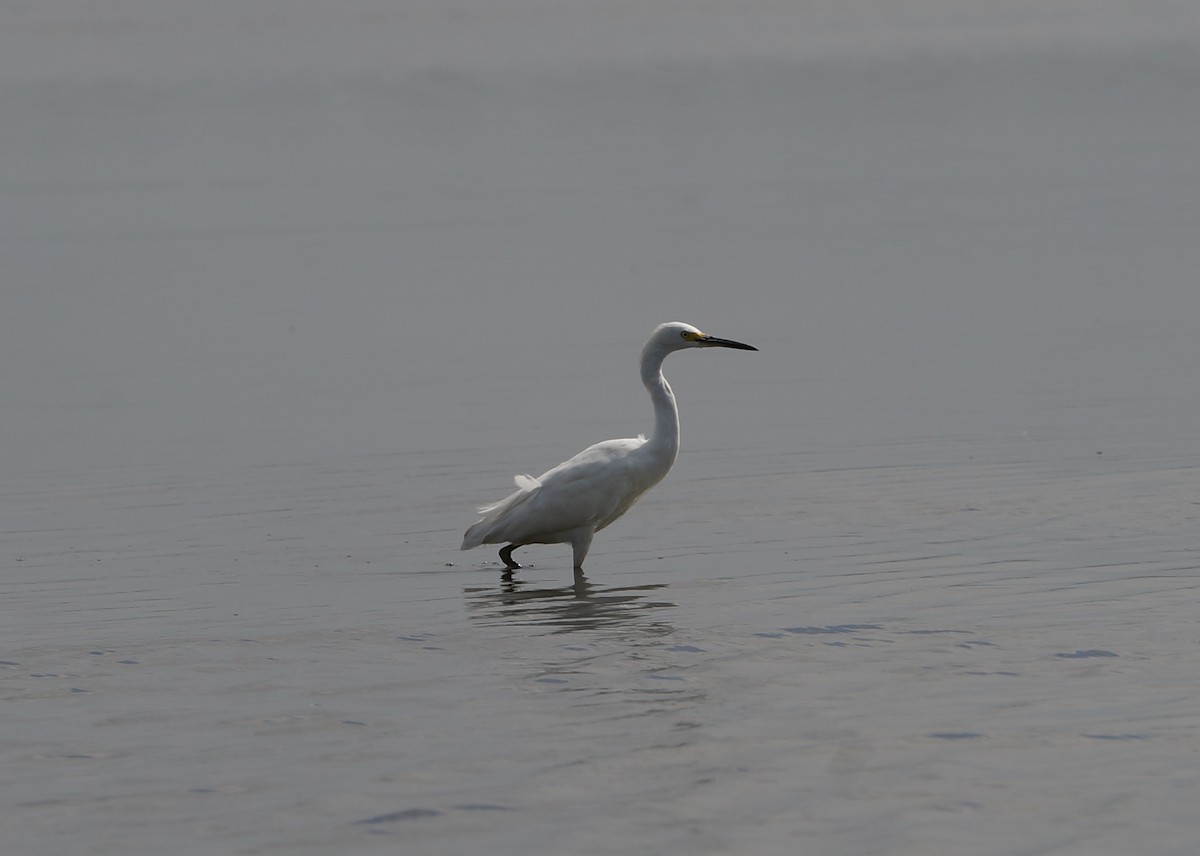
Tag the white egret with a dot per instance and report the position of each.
(579, 497)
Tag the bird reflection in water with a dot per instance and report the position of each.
(579, 606)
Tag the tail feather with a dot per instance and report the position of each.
(480, 531)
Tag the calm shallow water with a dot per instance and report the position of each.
(911, 660)
(924, 578)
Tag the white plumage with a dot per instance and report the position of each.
(571, 502)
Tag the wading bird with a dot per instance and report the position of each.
(575, 500)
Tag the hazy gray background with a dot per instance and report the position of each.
(258, 231)
(289, 287)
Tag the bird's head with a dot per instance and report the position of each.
(675, 336)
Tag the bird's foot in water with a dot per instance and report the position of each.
(506, 556)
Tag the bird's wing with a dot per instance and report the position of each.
(591, 489)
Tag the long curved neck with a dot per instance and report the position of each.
(665, 436)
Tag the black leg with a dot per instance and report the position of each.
(506, 556)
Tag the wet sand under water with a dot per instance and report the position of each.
(949, 656)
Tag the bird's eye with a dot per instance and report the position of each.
(683, 334)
